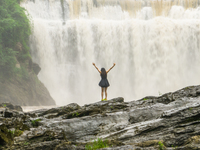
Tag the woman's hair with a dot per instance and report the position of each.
(103, 72)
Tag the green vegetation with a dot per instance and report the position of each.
(75, 114)
(35, 122)
(12, 132)
(14, 36)
(26, 143)
(161, 146)
(145, 99)
(15, 132)
(18, 132)
(174, 147)
(97, 144)
(49, 138)
(22, 73)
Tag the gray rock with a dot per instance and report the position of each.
(36, 68)
(11, 106)
(165, 122)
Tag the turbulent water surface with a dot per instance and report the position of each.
(155, 45)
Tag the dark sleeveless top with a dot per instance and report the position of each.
(104, 81)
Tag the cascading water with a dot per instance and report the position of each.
(155, 45)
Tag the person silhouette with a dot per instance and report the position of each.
(104, 84)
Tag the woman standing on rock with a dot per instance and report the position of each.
(104, 82)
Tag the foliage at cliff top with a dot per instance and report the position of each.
(14, 36)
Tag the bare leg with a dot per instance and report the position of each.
(102, 93)
(106, 92)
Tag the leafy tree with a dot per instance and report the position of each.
(14, 28)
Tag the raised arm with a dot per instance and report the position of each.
(96, 67)
(110, 68)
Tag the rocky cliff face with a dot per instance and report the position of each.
(170, 121)
(25, 92)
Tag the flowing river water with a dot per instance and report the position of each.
(154, 43)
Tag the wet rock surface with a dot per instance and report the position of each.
(170, 121)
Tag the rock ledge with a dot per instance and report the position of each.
(170, 121)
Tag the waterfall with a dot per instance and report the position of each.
(154, 43)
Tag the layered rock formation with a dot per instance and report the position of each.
(170, 121)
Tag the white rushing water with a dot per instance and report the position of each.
(155, 45)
